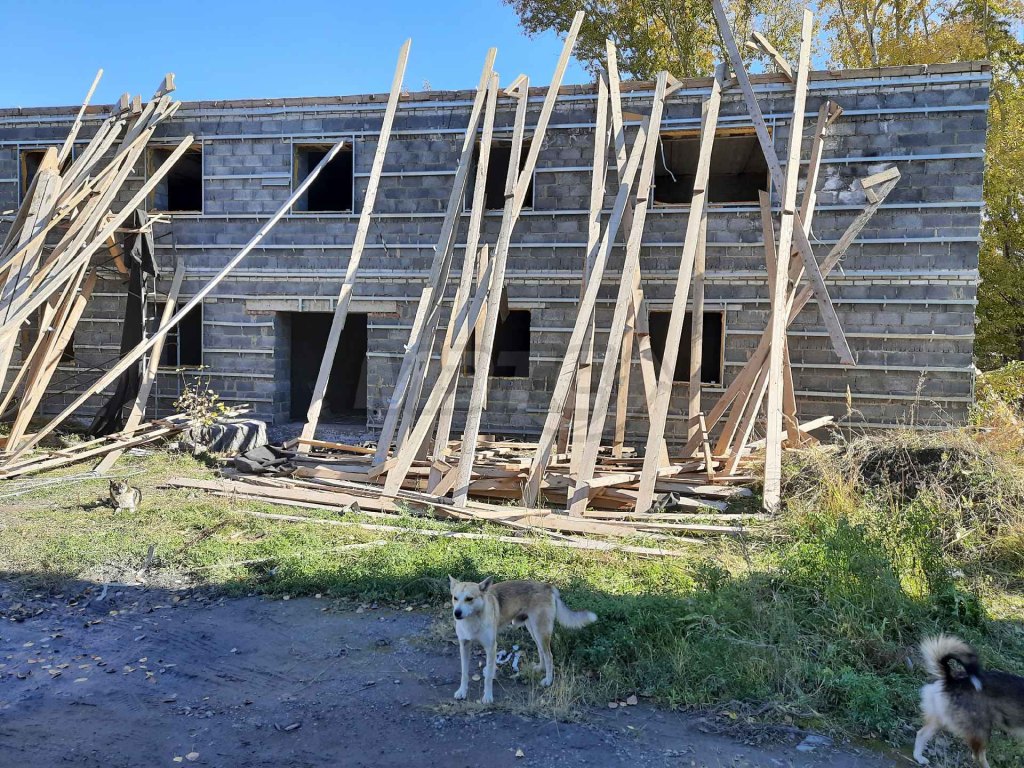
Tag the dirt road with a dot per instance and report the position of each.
(148, 677)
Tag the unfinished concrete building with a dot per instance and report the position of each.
(905, 294)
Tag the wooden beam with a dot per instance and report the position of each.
(141, 348)
(430, 296)
(760, 43)
(623, 303)
(65, 149)
(697, 325)
(814, 275)
(355, 253)
(659, 415)
(513, 205)
(149, 377)
(584, 370)
(566, 373)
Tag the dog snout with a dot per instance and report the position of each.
(458, 613)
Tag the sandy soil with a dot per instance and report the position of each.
(163, 678)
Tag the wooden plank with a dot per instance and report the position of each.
(814, 275)
(342, 447)
(45, 463)
(513, 205)
(398, 466)
(484, 334)
(566, 373)
(709, 462)
(574, 543)
(48, 354)
(638, 314)
(584, 369)
(637, 317)
(464, 291)
(428, 307)
(81, 251)
(623, 303)
(697, 325)
(65, 149)
(149, 377)
(439, 279)
(741, 383)
(658, 416)
(760, 42)
(141, 348)
(355, 253)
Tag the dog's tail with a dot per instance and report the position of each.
(567, 617)
(940, 650)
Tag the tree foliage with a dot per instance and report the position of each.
(652, 35)
(681, 36)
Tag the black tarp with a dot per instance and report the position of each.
(140, 257)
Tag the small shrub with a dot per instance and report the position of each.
(199, 403)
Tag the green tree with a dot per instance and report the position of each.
(651, 35)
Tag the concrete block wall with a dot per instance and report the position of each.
(905, 294)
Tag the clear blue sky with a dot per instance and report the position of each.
(232, 49)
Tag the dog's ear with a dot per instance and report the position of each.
(485, 583)
(452, 582)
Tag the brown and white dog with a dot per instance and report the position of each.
(966, 700)
(482, 610)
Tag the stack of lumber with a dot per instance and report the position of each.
(60, 276)
(89, 450)
(602, 485)
(70, 215)
(341, 477)
(571, 464)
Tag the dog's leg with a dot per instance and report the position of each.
(978, 748)
(465, 646)
(545, 653)
(531, 626)
(926, 734)
(490, 669)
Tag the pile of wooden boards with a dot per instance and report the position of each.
(569, 465)
(341, 477)
(68, 228)
(73, 200)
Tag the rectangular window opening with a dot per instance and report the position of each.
(183, 345)
(497, 173)
(345, 397)
(712, 358)
(181, 188)
(331, 191)
(510, 358)
(30, 161)
(738, 168)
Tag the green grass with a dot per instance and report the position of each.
(812, 619)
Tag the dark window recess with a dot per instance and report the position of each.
(183, 345)
(738, 170)
(510, 358)
(497, 173)
(711, 348)
(181, 188)
(331, 190)
(346, 388)
(30, 161)
(67, 355)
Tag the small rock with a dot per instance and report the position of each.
(812, 742)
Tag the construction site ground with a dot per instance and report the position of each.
(157, 676)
